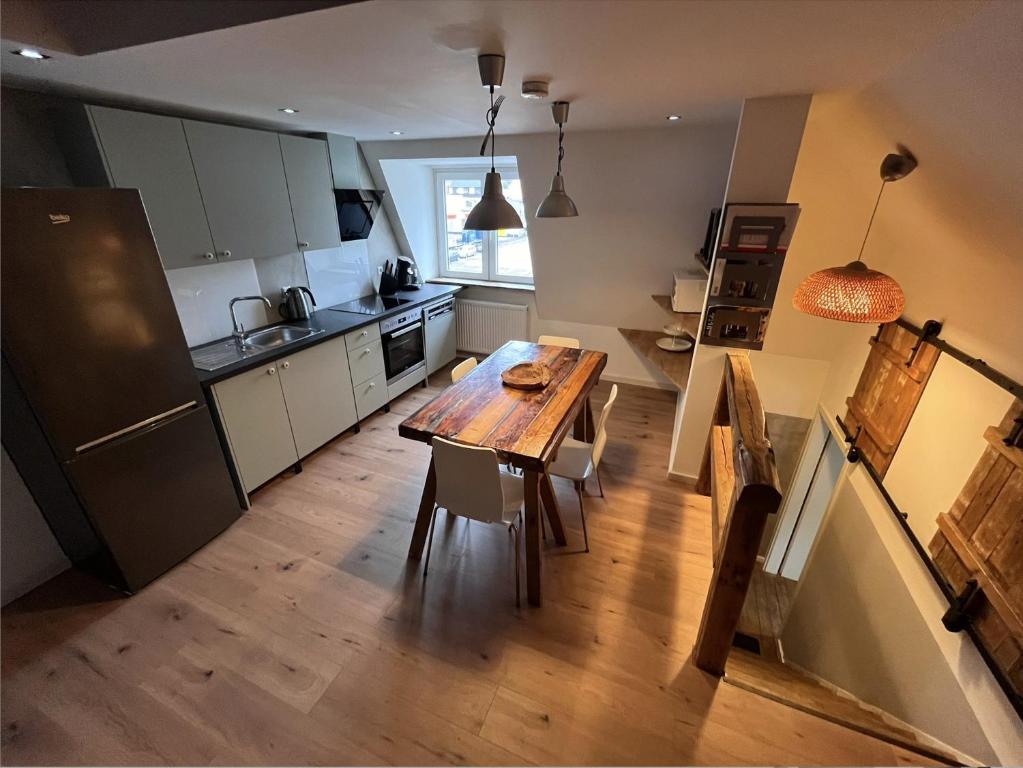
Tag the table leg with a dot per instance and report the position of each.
(533, 559)
(415, 550)
(583, 427)
(550, 505)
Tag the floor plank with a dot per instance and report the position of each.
(302, 634)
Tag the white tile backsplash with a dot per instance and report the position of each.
(202, 294)
(340, 274)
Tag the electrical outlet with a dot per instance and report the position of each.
(380, 269)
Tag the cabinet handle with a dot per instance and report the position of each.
(285, 365)
(372, 384)
(208, 256)
(303, 244)
(271, 371)
(226, 254)
(366, 351)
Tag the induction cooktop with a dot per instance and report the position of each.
(370, 305)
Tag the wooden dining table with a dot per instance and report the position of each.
(524, 427)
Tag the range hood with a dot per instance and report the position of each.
(356, 210)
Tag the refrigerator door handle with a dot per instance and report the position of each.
(134, 427)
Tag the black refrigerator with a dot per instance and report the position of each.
(102, 412)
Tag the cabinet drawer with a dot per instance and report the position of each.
(371, 395)
(366, 361)
(362, 336)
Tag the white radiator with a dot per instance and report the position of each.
(483, 326)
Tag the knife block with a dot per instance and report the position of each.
(388, 285)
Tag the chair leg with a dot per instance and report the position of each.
(518, 558)
(429, 545)
(600, 485)
(582, 514)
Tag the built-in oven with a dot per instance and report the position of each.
(403, 345)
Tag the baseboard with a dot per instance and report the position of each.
(648, 383)
(681, 477)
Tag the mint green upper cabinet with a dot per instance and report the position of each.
(241, 177)
(307, 166)
(149, 153)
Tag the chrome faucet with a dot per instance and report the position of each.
(239, 329)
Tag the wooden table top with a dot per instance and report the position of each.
(528, 426)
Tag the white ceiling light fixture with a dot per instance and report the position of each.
(397, 133)
(492, 212)
(32, 53)
(557, 204)
(288, 110)
(535, 90)
(673, 118)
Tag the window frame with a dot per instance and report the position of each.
(489, 273)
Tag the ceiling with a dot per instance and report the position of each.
(367, 69)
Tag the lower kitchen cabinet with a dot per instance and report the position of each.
(255, 418)
(284, 410)
(318, 391)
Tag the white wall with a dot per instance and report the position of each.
(951, 234)
(856, 622)
(764, 156)
(30, 554)
(643, 198)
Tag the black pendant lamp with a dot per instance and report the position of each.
(492, 212)
(557, 204)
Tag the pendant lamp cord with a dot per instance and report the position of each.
(561, 148)
(491, 120)
(871, 222)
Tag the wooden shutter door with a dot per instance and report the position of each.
(887, 393)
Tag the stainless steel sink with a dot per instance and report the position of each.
(278, 336)
(210, 358)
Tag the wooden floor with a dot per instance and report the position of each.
(301, 636)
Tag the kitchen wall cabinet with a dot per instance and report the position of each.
(255, 417)
(244, 189)
(318, 392)
(150, 153)
(307, 167)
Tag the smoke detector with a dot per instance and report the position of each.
(534, 89)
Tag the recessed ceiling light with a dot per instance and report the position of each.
(31, 53)
(288, 110)
(673, 118)
(397, 133)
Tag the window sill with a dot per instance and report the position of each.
(467, 281)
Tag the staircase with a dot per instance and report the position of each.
(794, 687)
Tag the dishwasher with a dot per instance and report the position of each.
(440, 334)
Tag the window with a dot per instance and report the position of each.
(500, 256)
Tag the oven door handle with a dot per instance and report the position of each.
(403, 331)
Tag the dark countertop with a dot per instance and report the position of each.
(332, 324)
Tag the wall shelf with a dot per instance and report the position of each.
(674, 365)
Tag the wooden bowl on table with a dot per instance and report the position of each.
(527, 376)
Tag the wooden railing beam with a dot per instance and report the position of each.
(755, 495)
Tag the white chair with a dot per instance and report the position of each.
(570, 343)
(578, 460)
(462, 368)
(472, 485)
(559, 341)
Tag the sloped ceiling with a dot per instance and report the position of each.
(370, 68)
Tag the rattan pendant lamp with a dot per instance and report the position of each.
(855, 293)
